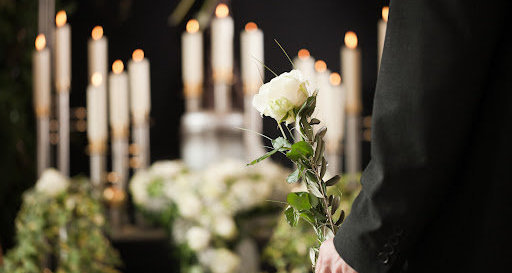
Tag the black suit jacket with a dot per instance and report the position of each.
(437, 193)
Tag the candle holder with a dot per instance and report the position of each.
(353, 144)
(222, 90)
(63, 145)
(118, 177)
(43, 140)
(141, 140)
(254, 123)
(193, 94)
(97, 151)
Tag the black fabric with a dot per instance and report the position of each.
(437, 193)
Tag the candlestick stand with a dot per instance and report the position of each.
(43, 143)
(63, 146)
(254, 123)
(353, 144)
(120, 176)
(193, 93)
(221, 97)
(98, 164)
(141, 140)
(334, 156)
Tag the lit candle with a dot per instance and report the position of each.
(41, 74)
(337, 113)
(62, 52)
(118, 91)
(192, 63)
(252, 59)
(42, 99)
(98, 53)
(351, 69)
(140, 100)
(222, 44)
(382, 25)
(96, 112)
(305, 63)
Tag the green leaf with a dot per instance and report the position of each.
(291, 216)
(300, 149)
(320, 134)
(319, 152)
(308, 107)
(314, 121)
(324, 167)
(313, 200)
(299, 200)
(305, 128)
(313, 189)
(263, 157)
(281, 142)
(331, 182)
(312, 256)
(294, 176)
(308, 216)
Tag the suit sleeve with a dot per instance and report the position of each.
(437, 60)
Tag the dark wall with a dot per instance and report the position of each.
(318, 25)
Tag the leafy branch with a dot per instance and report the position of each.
(315, 206)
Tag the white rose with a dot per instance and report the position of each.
(189, 205)
(225, 261)
(198, 238)
(52, 183)
(225, 227)
(281, 95)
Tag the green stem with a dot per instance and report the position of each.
(282, 131)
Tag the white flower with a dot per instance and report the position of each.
(281, 95)
(167, 168)
(179, 230)
(225, 261)
(198, 238)
(52, 183)
(189, 205)
(224, 226)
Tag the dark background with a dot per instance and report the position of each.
(318, 25)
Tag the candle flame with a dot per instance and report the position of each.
(96, 79)
(138, 55)
(61, 18)
(40, 42)
(303, 54)
(351, 39)
(97, 33)
(117, 67)
(192, 26)
(335, 78)
(385, 13)
(251, 26)
(320, 66)
(221, 11)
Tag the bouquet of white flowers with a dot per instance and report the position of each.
(289, 98)
(205, 206)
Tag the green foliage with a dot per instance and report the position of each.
(67, 229)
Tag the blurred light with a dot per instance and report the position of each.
(335, 78)
(117, 67)
(320, 66)
(192, 26)
(303, 54)
(40, 42)
(96, 79)
(97, 33)
(251, 26)
(138, 55)
(61, 18)
(385, 13)
(351, 39)
(221, 11)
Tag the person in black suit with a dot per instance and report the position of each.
(437, 193)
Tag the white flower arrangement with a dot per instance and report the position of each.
(52, 183)
(207, 203)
